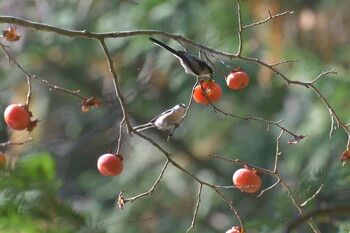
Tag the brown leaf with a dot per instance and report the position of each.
(345, 156)
(11, 34)
(32, 125)
(90, 103)
(121, 200)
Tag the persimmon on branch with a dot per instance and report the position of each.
(209, 52)
(101, 36)
(279, 180)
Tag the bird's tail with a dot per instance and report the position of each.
(164, 46)
(143, 127)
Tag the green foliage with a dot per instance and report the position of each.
(29, 201)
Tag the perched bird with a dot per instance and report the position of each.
(191, 63)
(167, 120)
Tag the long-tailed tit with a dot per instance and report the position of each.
(167, 121)
(192, 64)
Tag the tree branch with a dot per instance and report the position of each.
(270, 17)
(306, 217)
(196, 208)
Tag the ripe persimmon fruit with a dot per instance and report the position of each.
(246, 180)
(110, 164)
(207, 92)
(17, 117)
(237, 79)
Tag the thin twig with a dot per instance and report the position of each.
(149, 192)
(116, 83)
(334, 117)
(269, 188)
(190, 101)
(297, 205)
(276, 123)
(9, 143)
(313, 196)
(332, 71)
(59, 89)
(215, 66)
(283, 62)
(240, 29)
(274, 173)
(290, 194)
(119, 144)
(185, 171)
(268, 18)
(306, 217)
(30, 76)
(196, 208)
(29, 92)
(225, 186)
(266, 171)
(278, 153)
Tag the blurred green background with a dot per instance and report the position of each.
(54, 185)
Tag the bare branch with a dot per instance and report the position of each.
(119, 145)
(283, 62)
(225, 186)
(332, 71)
(9, 57)
(276, 123)
(298, 206)
(98, 36)
(9, 143)
(116, 84)
(60, 89)
(313, 196)
(266, 171)
(278, 153)
(270, 17)
(185, 171)
(187, 109)
(334, 117)
(240, 28)
(196, 208)
(29, 93)
(230, 204)
(30, 76)
(269, 188)
(274, 173)
(215, 66)
(306, 217)
(149, 192)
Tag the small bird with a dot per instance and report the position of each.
(191, 63)
(167, 120)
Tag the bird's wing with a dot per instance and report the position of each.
(199, 62)
(189, 62)
(163, 113)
